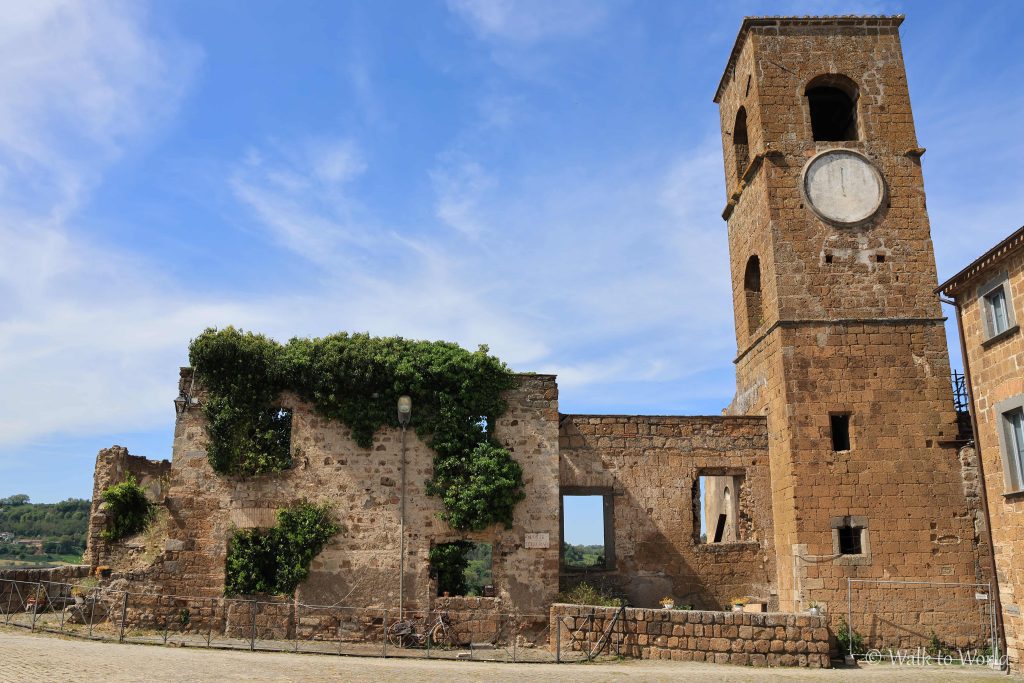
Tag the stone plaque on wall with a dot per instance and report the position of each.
(539, 540)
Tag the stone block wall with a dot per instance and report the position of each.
(768, 639)
(997, 384)
(650, 467)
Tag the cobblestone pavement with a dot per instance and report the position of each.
(36, 657)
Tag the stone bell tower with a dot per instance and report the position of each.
(840, 338)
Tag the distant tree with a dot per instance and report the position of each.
(16, 499)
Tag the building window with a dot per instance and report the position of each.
(849, 540)
(740, 145)
(996, 307)
(1013, 423)
(588, 533)
(720, 512)
(752, 293)
(832, 101)
(462, 568)
(840, 428)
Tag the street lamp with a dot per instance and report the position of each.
(404, 416)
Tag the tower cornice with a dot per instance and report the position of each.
(853, 20)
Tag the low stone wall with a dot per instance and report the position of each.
(771, 639)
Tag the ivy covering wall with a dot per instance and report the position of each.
(128, 510)
(277, 560)
(357, 379)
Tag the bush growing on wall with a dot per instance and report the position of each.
(277, 560)
(357, 379)
(128, 510)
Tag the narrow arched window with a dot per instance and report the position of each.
(832, 101)
(752, 293)
(739, 140)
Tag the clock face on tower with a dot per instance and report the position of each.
(843, 187)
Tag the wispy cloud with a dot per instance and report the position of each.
(460, 186)
(301, 195)
(80, 321)
(529, 21)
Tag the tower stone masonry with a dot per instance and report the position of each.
(840, 338)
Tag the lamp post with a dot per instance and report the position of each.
(404, 415)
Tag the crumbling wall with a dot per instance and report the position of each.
(360, 565)
(651, 465)
(114, 465)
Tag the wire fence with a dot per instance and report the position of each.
(285, 625)
(921, 622)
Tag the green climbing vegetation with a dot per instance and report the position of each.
(128, 510)
(357, 379)
(276, 560)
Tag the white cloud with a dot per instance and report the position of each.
(83, 328)
(529, 21)
(460, 187)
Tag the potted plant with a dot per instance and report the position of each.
(814, 609)
(667, 603)
(738, 603)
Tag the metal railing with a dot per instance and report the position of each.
(102, 613)
(921, 622)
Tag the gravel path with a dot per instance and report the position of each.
(36, 657)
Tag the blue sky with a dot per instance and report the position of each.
(544, 177)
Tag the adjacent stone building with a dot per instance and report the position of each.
(988, 295)
(838, 460)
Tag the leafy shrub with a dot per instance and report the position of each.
(277, 560)
(357, 379)
(448, 561)
(585, 594)
(128, 510)
(847, 636)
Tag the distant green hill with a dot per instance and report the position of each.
(582, 556)
(61, 526)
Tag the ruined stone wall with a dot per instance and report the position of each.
(360, 565)
(694, 636)
(113, 466)
(650, 466)
(997, 382)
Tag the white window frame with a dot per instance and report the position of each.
(1011, 443)
(989, 314)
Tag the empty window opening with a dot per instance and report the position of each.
(752, 293)
(840, 426)
(462, 568)
(829, 258)
(587, 541)
(833, 111)
(850, 540)
(879, 258)
(740, 144)
(718, 513)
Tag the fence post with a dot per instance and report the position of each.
(124, 609)
(558, 640)
(384, 649)
(35, 604)
(10, 594)
(252, 628)
(849, 618)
